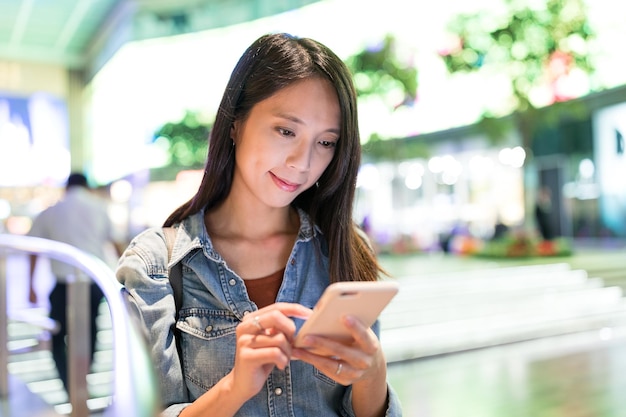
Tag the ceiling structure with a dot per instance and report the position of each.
(50, 31)
(83, 34)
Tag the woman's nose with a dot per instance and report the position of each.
(300, 156)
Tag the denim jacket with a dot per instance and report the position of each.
(214, 302)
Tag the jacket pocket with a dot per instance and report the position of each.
(208, 340)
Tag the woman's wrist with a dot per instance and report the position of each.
(370, 394)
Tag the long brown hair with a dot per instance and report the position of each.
(273, 62)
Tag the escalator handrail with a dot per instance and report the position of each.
(135, 390)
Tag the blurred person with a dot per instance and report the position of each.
(500, 230)
(80, 219)
(446, 239)
(543, 209)
(269, 228)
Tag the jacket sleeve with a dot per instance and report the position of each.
(142, 270)
(394, 408)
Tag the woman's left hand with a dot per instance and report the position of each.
(345, 363)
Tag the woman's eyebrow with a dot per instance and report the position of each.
(289, 117)
(300, 121)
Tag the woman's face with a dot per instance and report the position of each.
(287, 141)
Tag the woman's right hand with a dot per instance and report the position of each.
(264, 340)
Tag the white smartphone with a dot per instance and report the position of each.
(363, 300)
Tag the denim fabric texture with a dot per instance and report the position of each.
(214, 302)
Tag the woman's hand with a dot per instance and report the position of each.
(360, 363)
(345, 363)
(264, 341)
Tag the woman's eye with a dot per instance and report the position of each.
(285, 132)
(328, 143)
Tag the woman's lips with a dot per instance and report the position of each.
(284, 185)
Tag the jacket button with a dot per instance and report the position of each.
(232, 281)
(278, 391)
(208, 328)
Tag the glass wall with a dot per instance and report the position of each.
(34, 156)
(609, 169)
(414, 205)
(34, 140)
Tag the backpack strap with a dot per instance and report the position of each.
(175, 273)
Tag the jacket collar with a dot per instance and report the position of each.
(192, 235)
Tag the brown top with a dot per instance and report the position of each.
(263, 291)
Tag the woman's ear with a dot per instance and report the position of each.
(234, 131)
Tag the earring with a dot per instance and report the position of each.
(317, 184)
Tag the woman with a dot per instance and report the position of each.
(269, 228)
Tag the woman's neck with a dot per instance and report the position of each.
(235, 218)
(265, 235)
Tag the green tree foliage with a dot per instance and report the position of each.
(380, 73)
(377, 149)
(187, 141)
(377, 70)
(530, 45)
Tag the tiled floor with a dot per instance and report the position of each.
(578, 375)
(573, 375)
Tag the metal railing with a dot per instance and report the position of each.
(135, 389)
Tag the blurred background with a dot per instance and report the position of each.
(473, 116)
(466, 109)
